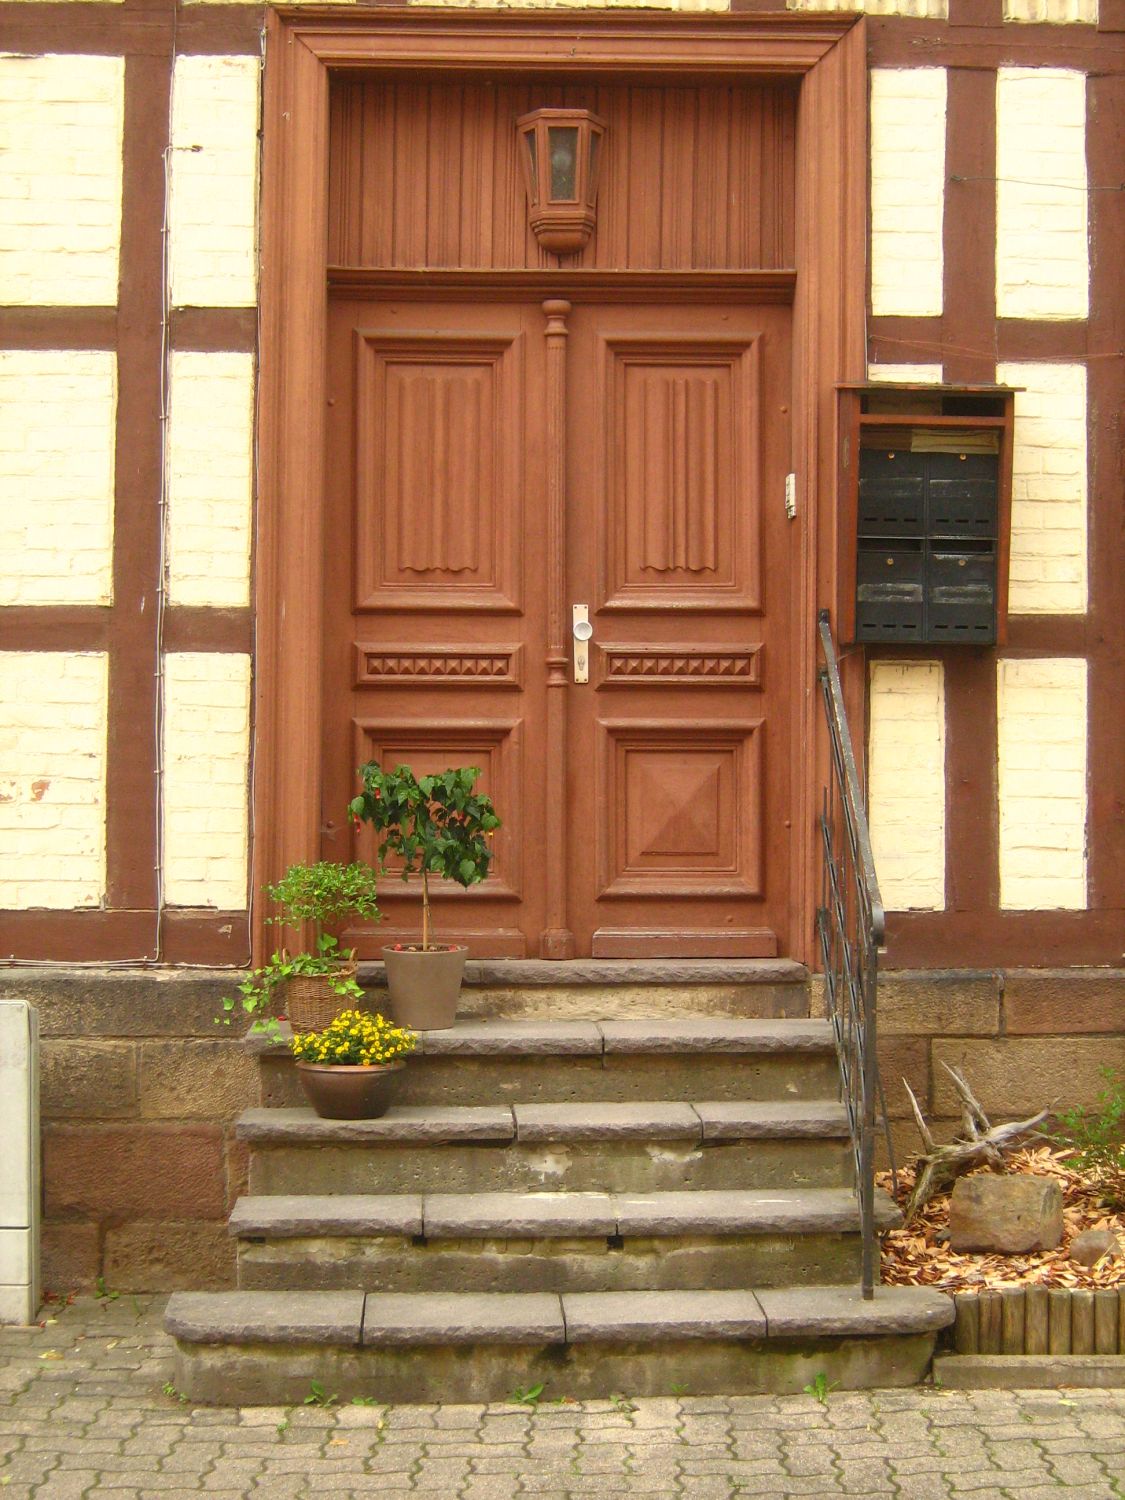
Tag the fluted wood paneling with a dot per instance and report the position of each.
(426, 176)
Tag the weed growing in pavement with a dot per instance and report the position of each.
(318, 1395)
(102, 1292)
(820, 1387)
(528, 1396)
(622, 1403)
(170, 1390)
(365, 1401)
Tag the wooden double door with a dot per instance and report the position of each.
(500, 469)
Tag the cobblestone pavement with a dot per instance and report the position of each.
(87, 1409)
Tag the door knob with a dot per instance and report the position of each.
(583, 631)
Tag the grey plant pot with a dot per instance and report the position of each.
(423, 987)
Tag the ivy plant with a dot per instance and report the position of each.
(437, 825)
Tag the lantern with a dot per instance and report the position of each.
(560, 150)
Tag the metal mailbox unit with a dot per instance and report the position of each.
(925, 514)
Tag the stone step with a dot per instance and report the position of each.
(614, 1146)
(246, 1348)
(554, 1062)
(492, 1242)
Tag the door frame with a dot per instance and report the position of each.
(303, 49)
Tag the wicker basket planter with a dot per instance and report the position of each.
(312, 1003)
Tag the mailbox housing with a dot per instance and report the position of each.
(925, 502)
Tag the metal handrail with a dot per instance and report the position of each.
(851, 927)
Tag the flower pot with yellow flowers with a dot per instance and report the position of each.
(349, 1070)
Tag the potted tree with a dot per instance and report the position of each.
(437, 825)
(311, 986)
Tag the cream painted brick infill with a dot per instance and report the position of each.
(1048, 563)
(907, 190)
(934, 10)
(206, 776)
(1042, 250)
(682, 5)
(1054, 12)
(214, 198)
(906, 783)
(53, 722)
(1041, 712)
(58, 410)
(210, 459)
(905, 374)
(61, 121)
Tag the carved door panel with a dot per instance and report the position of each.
(678, 767)
(433, 623)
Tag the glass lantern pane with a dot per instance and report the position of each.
(562, 145)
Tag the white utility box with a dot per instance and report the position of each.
(19, 1162)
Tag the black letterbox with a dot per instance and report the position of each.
(928, 528)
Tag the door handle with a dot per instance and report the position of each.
(583, 631)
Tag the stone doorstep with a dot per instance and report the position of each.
(534, 1038)
(543, 1215)
(351, 1319)
(606, 973)
(539, 1123)
(983, 1372)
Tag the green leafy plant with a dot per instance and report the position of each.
(318, 1395)
(355, 1039)
(437, 825)
(170, 1390)
(526, 1396)
(820, 1387)
(323, 894)
(1097, 1138)
(102, 1292)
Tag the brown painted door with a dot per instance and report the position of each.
(678, 769)
(439, 567)
(434, 618)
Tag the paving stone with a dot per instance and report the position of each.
(734, 1119)
(612, 1121)
(715, 1034)
(457, 1215)
(500, 1318)
(266, 1317)
(638, 1316)
(285, 1216)
(514, 1038)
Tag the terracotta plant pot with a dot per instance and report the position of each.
(341, 1091)
(311, 1003)
(423, 985)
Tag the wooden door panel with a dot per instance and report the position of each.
(435, 654)
(679, 468)
(439, 472)
(679, 449)
(679, 809)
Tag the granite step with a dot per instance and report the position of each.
(614, 1146)
(254, 1347)
(543, 1061)
(511, 1242)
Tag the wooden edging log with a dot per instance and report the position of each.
(1029, 1320)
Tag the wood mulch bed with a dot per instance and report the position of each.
(918, 1255)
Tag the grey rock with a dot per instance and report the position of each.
(512, 1215)
(1009, 1214)
(594, 1121)
(282, 1216)
(1091, 1245)
(644, 1316)
(716, 1034)
(463, 1318)
(768, 1120)
(510, 973)
(828, 1311)
(514, 1038)
(265, 1317)
(414, 1123)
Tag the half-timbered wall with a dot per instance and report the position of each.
(127, 371)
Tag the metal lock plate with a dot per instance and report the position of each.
(583, 631)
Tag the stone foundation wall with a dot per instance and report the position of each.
(1024, 1039)
(140, 1090)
